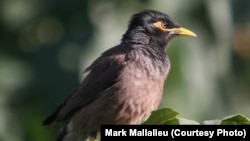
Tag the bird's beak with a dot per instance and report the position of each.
(182, 31)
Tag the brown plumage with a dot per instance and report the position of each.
(125, 84)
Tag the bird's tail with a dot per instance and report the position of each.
(67, 133)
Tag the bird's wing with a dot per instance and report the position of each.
(101, 75)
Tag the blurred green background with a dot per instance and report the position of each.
(45, 45)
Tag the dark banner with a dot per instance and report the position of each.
(165, 132)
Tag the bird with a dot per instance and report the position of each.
(125, 83)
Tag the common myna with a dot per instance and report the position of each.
(125, 84)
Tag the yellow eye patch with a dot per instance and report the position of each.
(178, 30)
(160, 25)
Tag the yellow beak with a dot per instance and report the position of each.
(182, 31)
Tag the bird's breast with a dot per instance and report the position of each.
(141, 84)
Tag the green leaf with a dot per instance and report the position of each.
(237, 119)
(174, 121)
(163, 116)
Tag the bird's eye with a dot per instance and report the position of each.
(164, 25)
(161, 25)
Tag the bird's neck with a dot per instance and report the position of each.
(140, 36)
(136, 36)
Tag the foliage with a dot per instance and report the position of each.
(170, 116)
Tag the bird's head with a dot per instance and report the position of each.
(153, 27)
